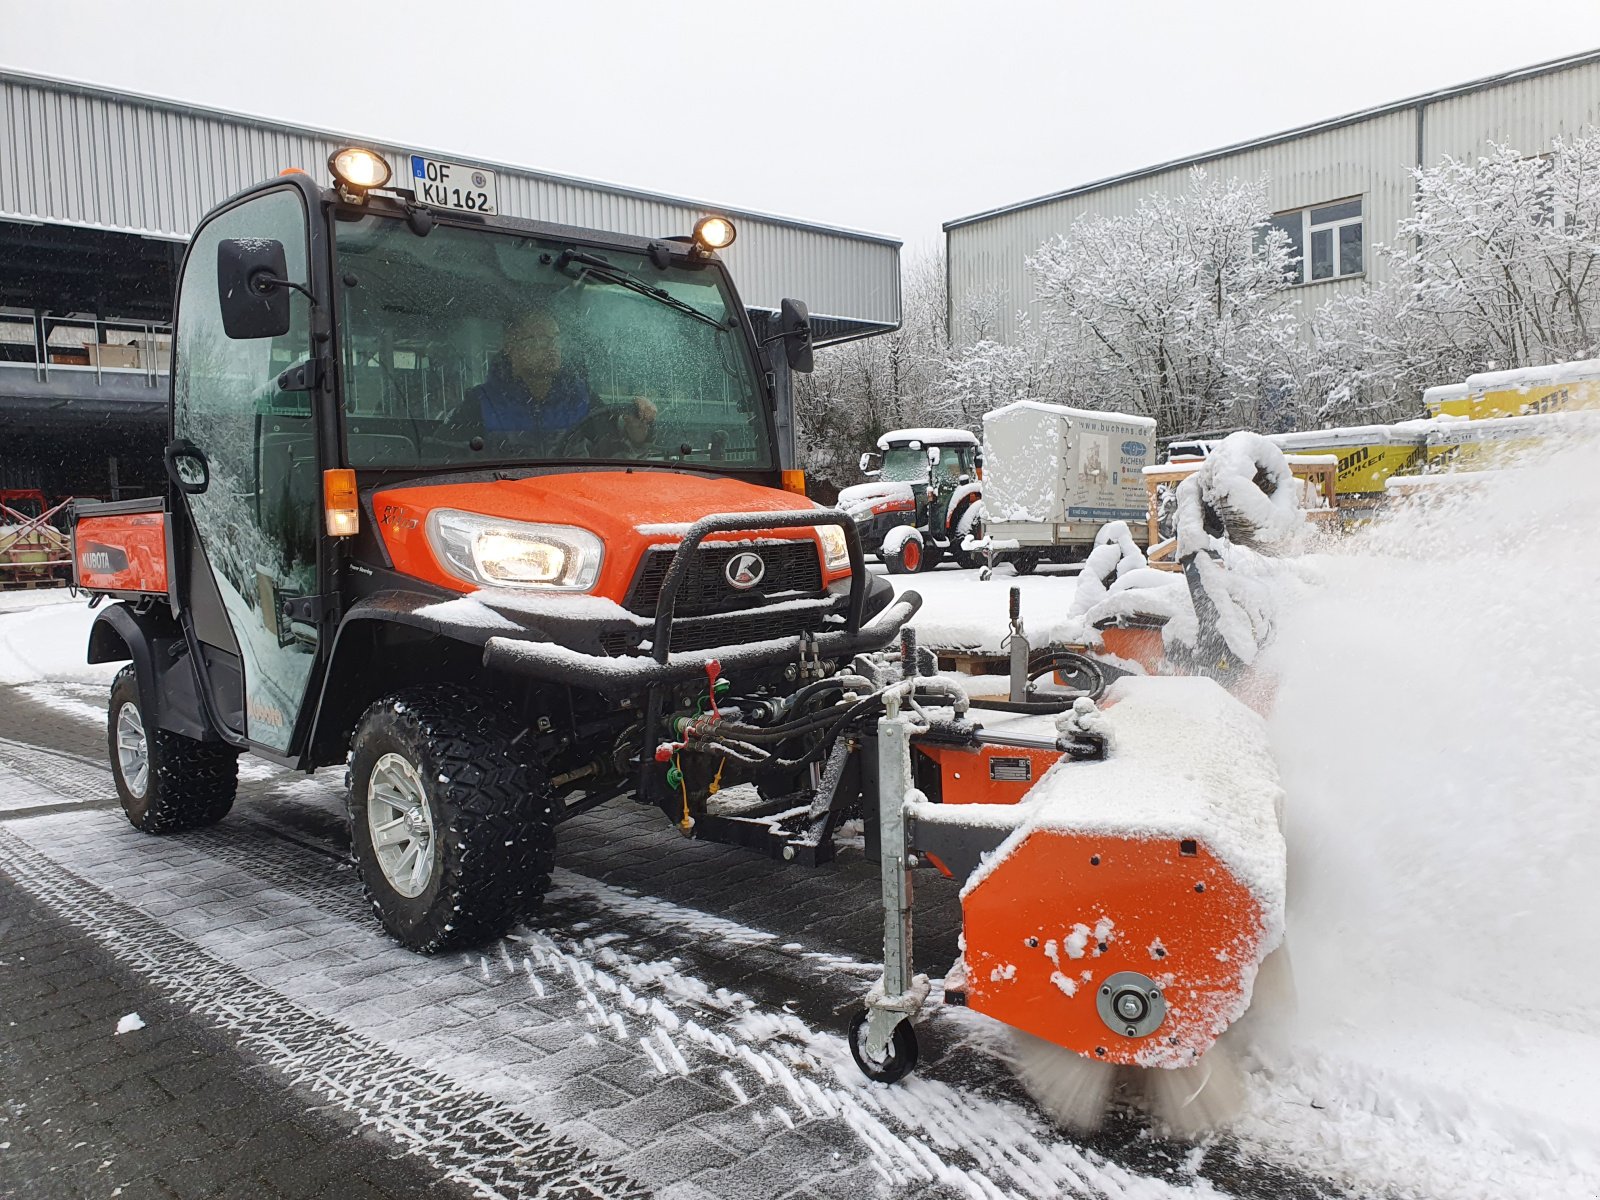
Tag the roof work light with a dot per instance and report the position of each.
(714, 233)
(358, 170)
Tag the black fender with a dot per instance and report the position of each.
(372, 632)
(152, 639)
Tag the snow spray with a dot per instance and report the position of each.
(1436, 729)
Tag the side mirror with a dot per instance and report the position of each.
(933, 456)
(871, 464)
(187, 467)
(795, 321)
(252, 288)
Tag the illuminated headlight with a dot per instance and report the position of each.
(714, 233)
(359, 169)
(835, 547)
(498, 553)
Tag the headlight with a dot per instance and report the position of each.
(500, 553)
(835, 547)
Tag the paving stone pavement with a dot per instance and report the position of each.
(167, 1110)
(675, 1010)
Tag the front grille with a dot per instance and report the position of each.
(791, 567)
(731, 629)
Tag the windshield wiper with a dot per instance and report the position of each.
(598, 268)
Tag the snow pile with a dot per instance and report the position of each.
(130, 1023)
(1435, 726)
(44, 635)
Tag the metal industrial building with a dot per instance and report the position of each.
(1338, 187)
(100, 189)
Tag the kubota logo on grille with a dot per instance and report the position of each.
(744, 571)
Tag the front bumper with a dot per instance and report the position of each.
(842, 624)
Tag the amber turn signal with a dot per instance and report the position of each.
(340, 506)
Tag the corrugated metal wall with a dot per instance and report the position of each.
(1527, 114)
(1368, 157)
(77, 155)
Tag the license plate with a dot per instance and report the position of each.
(453, 185)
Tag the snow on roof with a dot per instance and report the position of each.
(928, 437)
(1526, 377)
(1077, 414)
(1445, 391)
(1347, 435)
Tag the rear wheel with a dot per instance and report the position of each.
(908, 559)
(167, 782)
(451, 817)
(1023, 564)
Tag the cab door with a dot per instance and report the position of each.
(254, 527)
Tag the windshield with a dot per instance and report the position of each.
(468, 347)
(904, 465)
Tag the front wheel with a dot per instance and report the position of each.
(167, 782)
(900, 1057)
(451, 817)
(907, 558)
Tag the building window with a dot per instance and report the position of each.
(1327, 239)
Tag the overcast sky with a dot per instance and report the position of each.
(886, 117)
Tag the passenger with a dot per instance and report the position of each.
(528, 389)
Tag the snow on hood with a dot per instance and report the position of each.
(862, 496)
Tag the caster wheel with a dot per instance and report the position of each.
(901, 1059)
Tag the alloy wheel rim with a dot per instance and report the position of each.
(133, 750)
(401, 825)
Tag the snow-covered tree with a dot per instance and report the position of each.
(1175, 311)
(1498, 267)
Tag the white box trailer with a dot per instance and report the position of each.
(1053, 475)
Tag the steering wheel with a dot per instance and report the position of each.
(574, 443)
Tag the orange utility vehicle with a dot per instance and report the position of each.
(491, 511)
(485, 508)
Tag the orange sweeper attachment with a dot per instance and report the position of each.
(1122, 865)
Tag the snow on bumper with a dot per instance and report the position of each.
(630, 673)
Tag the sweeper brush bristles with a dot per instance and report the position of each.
(1189, 1102)
(1072, 1090)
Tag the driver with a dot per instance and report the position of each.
(527, 388)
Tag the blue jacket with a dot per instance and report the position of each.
(508, 406)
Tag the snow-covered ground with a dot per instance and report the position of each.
(961, 611)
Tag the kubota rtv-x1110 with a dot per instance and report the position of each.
(488, 507)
